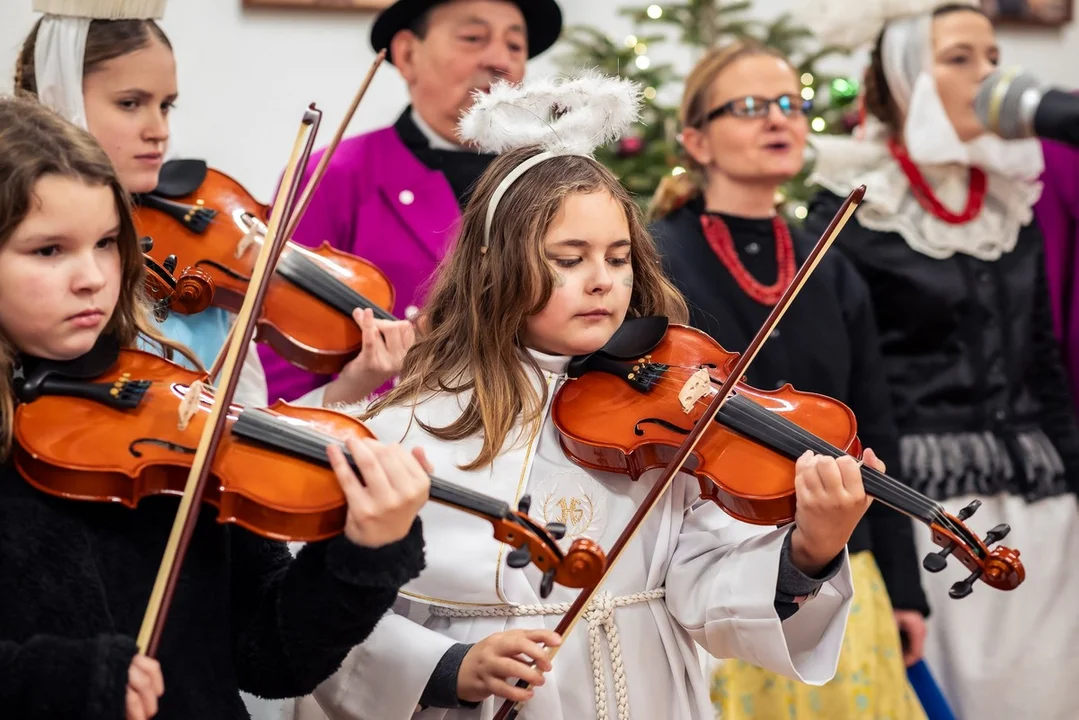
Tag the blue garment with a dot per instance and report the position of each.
(932, 699)
(203, 333)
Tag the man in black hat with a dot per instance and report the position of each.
(394, 196)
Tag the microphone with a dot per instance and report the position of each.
(1014, 105)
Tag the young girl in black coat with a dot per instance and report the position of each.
(75, 577)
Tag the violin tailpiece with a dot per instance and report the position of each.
(195, 218)
(121, 394)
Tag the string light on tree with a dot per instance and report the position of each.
(652, 151)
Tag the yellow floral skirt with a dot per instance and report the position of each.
(870, 682)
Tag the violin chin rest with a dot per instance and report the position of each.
(179, 178)
(634, 339)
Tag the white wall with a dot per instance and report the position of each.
(246, 76)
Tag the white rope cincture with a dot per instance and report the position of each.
(599, 614)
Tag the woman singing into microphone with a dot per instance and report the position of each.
(947, 243)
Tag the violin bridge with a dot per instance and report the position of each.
(255, 233)
(189, 405)
(696, 387)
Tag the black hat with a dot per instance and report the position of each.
(543, 20)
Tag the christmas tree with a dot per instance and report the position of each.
(652, 151)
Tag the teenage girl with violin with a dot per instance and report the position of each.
(564, 261)
(725, 247)
(75, 577)
(122, 90)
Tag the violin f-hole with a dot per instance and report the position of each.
(637, 430)
(175, 447)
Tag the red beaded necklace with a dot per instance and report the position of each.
(719, 238)
(928, 200)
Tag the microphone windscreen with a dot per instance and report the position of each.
(999, 103)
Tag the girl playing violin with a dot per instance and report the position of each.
(122, 90)
(565, 259)
(727, 249)
(75, 577)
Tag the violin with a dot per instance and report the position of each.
(629, 405)
(125, 427)
(208, 221)
(190, 293)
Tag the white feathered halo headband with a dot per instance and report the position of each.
(563, 116)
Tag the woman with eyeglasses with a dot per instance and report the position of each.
(948, 244)
(732, 255)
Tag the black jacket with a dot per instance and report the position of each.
(826, 343)
(968, 350)
(75, 578)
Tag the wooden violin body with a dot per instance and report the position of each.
(207, 220)
(123, 435)
(629, 413)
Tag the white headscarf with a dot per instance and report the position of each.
(58, 55)
(60, 47)
(1012, 166)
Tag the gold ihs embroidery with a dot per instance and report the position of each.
(577, 513)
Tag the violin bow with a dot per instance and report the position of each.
(190, 503)
(312, 183)
(510, 709)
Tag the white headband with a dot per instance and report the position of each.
(591, 110)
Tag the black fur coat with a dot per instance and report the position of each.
(75, 578)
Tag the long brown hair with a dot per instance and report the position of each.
(879, 100)
(674, 191)
(480, 301)
(105, 40)
(36, 142)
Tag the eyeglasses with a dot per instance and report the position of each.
(754, 106)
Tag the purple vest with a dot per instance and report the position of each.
(377, 201)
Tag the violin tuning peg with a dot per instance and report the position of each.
(969, 510)
(170, 264)
(547, 584)
(519, 558)
(964, 587)
(997, 534)
(146, 244)
(524, 504)
(935, 562)
(557, 530)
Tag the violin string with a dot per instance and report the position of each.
(766, 419)
(311, 444)
(792, 431)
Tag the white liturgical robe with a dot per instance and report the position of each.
(691, 575)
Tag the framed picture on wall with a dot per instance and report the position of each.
(321, 4)
(1046, 13)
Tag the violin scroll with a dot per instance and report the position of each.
(999, 568)
(581, 567)
(189, 294)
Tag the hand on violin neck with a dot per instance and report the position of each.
(383, 505)
(385, 343)
(830, 501)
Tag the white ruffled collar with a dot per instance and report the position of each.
(844, 163)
